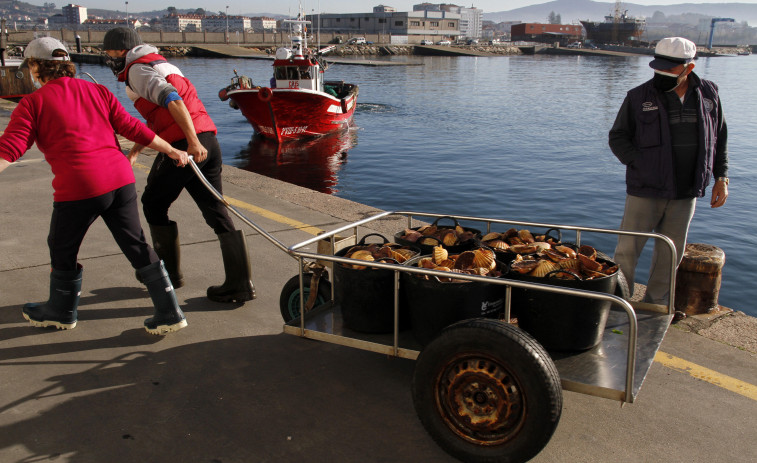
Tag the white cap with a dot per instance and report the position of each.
(671, 52)
(46, 48)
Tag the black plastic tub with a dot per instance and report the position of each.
(560, 322)
(433, 305)
(454, 249)
(366, 296)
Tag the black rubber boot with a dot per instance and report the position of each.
(168, 316)
(236, 263)
(60, 309)
(165, 241)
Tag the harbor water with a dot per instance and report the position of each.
(521, 137)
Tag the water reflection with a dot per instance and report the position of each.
(312, 163)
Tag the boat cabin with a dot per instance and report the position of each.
(292, 69)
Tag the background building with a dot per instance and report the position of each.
(415, 25)
(471, 19)
(263, 24)
(183, 22)
(219, 23)
(546, 33)
(74, 14)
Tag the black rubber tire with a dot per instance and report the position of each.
(289, 301)
(495, 373)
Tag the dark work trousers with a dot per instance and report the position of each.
(118, 208)
(166, 180)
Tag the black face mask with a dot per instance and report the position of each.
(665, 83)
(117, 64)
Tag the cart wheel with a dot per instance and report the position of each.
(289, 302)
(487, 391)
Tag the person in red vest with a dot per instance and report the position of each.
(72, 121)
(169, 103)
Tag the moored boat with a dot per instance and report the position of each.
(616, 29)
(299, 103)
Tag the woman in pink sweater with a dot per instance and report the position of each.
(73, 123)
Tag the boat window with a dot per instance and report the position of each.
(305, 73)
(292, 73)
(281, 73)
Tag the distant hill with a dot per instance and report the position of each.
(573, 10)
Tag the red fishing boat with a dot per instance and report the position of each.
(299, 103)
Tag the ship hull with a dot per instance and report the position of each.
(289, 114)
(610, 32)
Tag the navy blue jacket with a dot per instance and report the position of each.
(640, 138)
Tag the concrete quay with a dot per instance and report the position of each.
(231, 387)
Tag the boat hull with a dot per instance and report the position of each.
(289, 114)
(621, 32)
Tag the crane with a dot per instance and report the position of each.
(712, 29)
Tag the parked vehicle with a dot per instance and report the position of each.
(444, 42)
(575, 45)
(472, 42)
(359, 40)
(427, 42)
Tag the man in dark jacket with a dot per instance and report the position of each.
(169, 103)
(671, 135)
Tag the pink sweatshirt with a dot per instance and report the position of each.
(72, 121)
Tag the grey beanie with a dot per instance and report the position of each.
(121, 38)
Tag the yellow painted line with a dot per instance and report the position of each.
(261, 212)
(705, 374)
(274, 216)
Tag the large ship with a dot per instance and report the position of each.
(616, 29)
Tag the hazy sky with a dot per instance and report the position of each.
(326, 6)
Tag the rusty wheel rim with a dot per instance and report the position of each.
(480, 400)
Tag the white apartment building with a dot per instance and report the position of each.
(184, 22)
(263, 24)
(74, 14)
(220, 22)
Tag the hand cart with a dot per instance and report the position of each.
(485, 390)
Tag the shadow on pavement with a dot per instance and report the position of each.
(250, 399)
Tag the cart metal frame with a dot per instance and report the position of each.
(615, 369)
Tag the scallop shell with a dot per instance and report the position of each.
(523, 248)
(383, 251)
(362, 254)
(554, 255)
(406, 253)
(484, 258)
(428, 241)
(465, 260)
(426, 262)
(541, 245)
(523, 265)
(499, 245)
(411, 235)
(459, 230)
(400, 258)
(491, 236)
(589, 264)
(544, 267)
(428, 230)
(449, 238)
(439, 254)
(568, 251)
(526, 236)
(588, 251)
(447, 263)
(573, 264)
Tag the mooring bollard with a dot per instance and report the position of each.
(698, 279)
